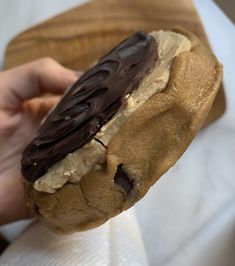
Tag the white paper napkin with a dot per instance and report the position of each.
(116, 243)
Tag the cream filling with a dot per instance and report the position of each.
(91, 156)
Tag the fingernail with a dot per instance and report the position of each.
(78, 73)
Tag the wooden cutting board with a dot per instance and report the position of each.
(80, 36)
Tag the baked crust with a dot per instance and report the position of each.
(147, 145)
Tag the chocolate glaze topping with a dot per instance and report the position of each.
(89, 104)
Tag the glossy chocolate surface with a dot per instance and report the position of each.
(90, 103)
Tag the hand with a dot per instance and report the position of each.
(22, 108)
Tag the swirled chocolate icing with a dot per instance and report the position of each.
(89, 104)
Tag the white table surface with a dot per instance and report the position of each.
(188, 218)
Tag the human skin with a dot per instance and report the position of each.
(27, 93)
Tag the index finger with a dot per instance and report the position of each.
(33, 79)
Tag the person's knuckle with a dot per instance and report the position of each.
(46, 62)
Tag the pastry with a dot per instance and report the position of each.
(119, 128)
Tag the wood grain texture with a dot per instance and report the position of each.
(81, 35)
(77, 38)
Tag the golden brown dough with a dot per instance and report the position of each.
(218, 107)
(147, 145)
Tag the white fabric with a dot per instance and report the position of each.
(187, 218)
(118, 242)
